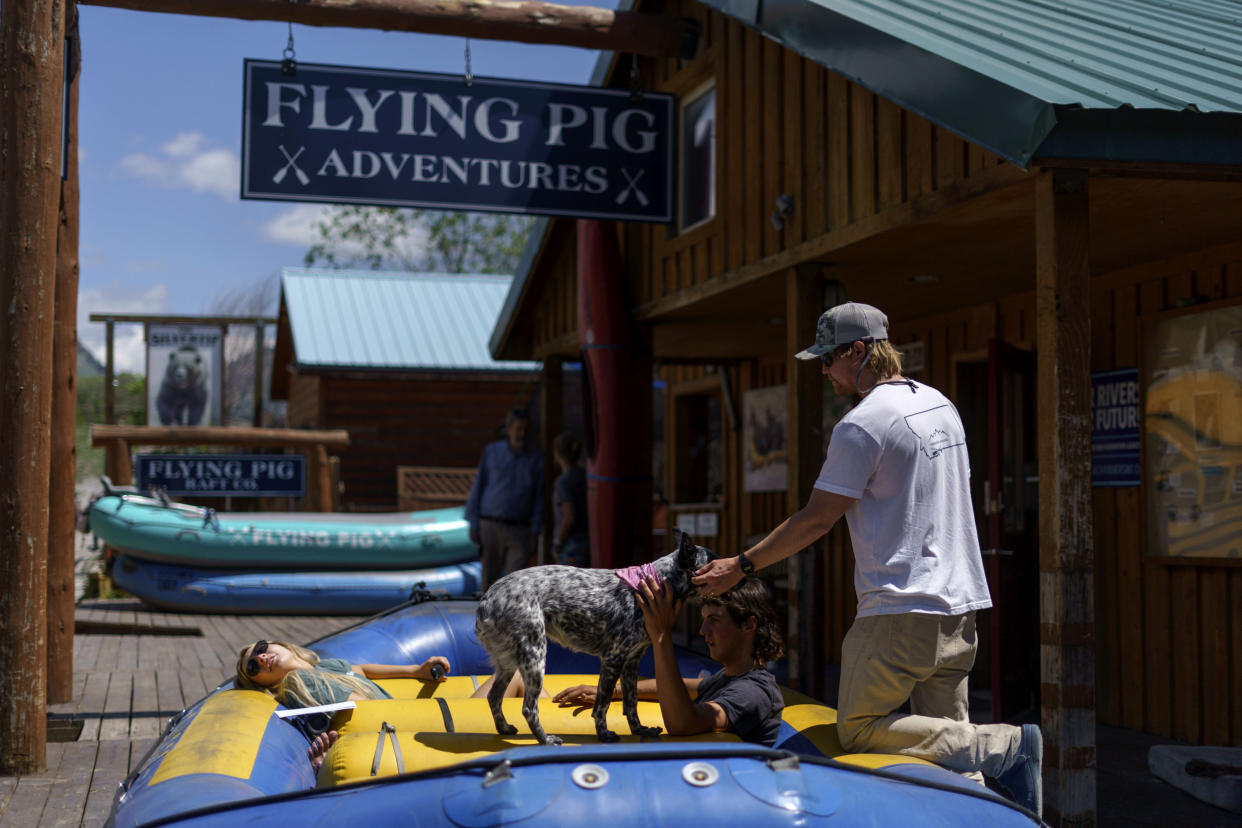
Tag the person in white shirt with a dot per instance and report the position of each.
(898, 470)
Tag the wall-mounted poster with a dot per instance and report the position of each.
(1192, 378)
(764, 444)
(183, 374)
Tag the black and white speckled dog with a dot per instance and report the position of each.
(589, 610)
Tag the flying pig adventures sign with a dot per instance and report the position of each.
(411, 139)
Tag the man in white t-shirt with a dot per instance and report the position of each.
(898, 470)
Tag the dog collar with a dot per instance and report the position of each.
(634, 575)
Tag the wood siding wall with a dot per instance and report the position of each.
(404, 422)
(1169, 636)
(784, 125)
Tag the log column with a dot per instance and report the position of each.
(31, 50)
(805, 440)
(61, 515)
(1066, 554)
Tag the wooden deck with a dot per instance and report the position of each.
(133, 669)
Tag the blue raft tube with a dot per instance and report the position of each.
(431, 757)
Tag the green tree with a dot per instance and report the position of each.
(389, 238)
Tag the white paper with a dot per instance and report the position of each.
(323, 708)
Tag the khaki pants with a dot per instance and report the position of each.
(887, 659)
(506, 548)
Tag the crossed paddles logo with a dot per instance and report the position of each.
(291, 164)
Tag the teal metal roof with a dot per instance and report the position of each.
(1010, 75)
(371, 320)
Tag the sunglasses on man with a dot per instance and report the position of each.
(252, 664)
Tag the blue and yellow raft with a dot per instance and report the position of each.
(431, 756)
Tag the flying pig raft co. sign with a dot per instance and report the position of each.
(411, 139)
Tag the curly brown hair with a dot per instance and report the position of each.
(747, 599)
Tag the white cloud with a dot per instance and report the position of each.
(299, 226)
(188, 161)
(128, 347)
(296, 225)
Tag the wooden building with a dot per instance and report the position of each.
(1035, 202)
(400, 361)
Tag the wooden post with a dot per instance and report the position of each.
(63, 501)
(259, 348)
(31, 77)
(323, 478)
(1066, 554)
(109, 376)
(552, 422)
(123, 464)
(527, 21)
(805, 440)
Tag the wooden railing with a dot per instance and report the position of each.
(118, 440)
(432, 487)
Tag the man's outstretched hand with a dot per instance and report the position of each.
(718, 577)
(659, 608)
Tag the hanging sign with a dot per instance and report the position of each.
(1115, 428)
(411, 139)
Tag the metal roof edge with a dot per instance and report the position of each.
(996, 116)
(506, 367)
(1159, 136)
(521, 274)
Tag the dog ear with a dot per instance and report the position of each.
(685, 550)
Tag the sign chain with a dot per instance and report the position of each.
(289, 66)
(469, 74)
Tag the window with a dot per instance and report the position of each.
(698, 157)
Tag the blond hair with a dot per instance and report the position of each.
(885, 359)
(291, 691)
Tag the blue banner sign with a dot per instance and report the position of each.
(410, 139)
(224, 475)
(1115, 428)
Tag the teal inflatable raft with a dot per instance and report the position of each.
(161, 530)
(187, 558)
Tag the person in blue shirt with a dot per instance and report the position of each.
(505, 506)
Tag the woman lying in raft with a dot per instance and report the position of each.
(298, 677)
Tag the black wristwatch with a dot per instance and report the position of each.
(748, 568)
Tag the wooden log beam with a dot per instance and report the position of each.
(552, 422)
(1066, 551)
(102, 435)
(62, 507)
(31, 51)
(526, 21)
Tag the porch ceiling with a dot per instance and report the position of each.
(978, 251)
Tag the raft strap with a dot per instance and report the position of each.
(379, 749)
(447, 714)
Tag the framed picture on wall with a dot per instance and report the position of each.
(1192, 433)
(763, 447)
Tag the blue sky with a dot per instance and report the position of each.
(162, 227)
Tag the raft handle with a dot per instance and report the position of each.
(499, 773)
(379, 749)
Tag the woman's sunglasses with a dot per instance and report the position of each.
(252, 664)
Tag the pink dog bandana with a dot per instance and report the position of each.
(634, 575)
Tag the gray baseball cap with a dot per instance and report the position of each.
(844, 324)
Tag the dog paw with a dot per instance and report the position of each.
(642, 730)
(506, 730)
(608, 736)
(552, 740)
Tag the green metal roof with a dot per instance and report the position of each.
(1010, 74)
(372, 320)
